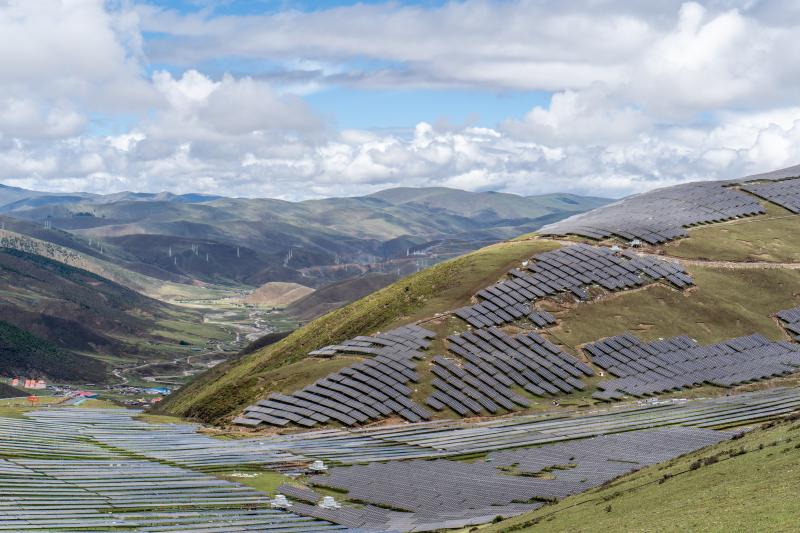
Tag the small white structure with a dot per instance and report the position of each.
(525, 263)
(636, 243)
(616, 249)
(280, 502)
(329, 503)
(318, 467)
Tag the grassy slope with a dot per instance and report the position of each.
(37, 284)
(7, 391)
(774, 237)
(715, 489)
(25, 355)
(224, 390)
(725, 303)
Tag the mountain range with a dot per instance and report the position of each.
(256, 240)
(91, 280)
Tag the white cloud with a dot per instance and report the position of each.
(666, 55)
(644, 94)
(354, 163)
(590, 116)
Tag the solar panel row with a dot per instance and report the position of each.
(568, 269)
(659, 216)
(489, 363)
(440, 494)
(371, 390)
(784, 193)
(791, 321)
(644, 368)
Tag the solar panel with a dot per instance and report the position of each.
(570, 269)
(371, 390)
(671, 364)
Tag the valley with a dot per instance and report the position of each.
(542, 366)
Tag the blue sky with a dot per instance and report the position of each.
(251, 7)
(366, 109)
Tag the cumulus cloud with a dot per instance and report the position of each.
(661, 53)
(589, 116)
(354, 163)
(230, 106)
(643, 95)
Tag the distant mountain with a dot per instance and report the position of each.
(254, 241)
(491, 205)
(57, 319)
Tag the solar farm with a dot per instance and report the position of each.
(367, 391)
(453, 420)
(672, 364)
(662, 215)
(104, 470)
(569, 269)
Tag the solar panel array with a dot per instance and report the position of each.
(791, 321)
(784, 193)
(582, 464)
(780, 174)
(644, 368)
(50, 433)
(441, 494)
(65, 469)
(661, 215)
(567, 269)
(54, 476)
(492, 362)
(370, 390)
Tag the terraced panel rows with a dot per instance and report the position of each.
(492, 362)
(569, 269)
(368, 391)
(645, 368)
(785, 193)
(662, 215)
(791, 321)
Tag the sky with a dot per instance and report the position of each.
(306, 99)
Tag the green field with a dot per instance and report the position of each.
(749, 484)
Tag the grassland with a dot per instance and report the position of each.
(773, 237)
(725, 303)
(746, 484)
(225, 389)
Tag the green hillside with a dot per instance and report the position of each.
(79, 318)
(25, 355)
(747, 484)
(729, 299)
(772, 237)
(224, 390)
